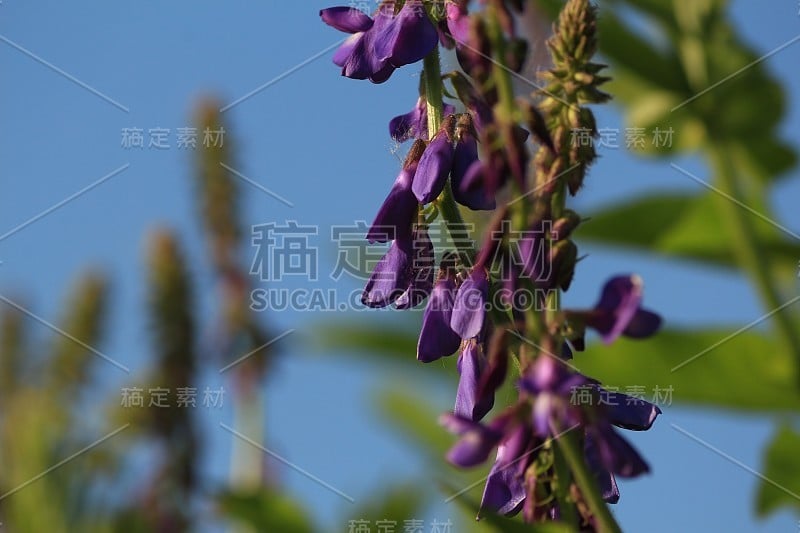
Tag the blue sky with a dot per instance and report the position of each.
(320, 141)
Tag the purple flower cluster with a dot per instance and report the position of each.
(377, 46)
(474, 159)
(547, 409)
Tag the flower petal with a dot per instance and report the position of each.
(615, 453)
(390, 277)
(468, 177)
(643, 324)
(471, 364)
(343, 53)
(408, 38)
(434, 167)
(476, 443)
(606, 480)
(457, 22)
(618, 304)
(414, 124)
(398, 211)
(346, 19)
(436, 338)
(504, 492)
(469, 309)
(629, 412)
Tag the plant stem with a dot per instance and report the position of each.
(748, 249)
(433, 91)
(448, 208)
(567, 443)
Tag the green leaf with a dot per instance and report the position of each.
(652, 66)
(680, 225)
(265, 510)
(378, 342)
(398, 342)
(763, 157)
(748, 371)
(782, 469)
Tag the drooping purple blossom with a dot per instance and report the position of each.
(505, 491)
(619, 311)
(469, 310)
(423, 268)
(477, 440)
(551, 387)
(553, 390)
(468, 183)
(434, 168)
(404, 275)
(436, 338)
(409, 37)
(398, 212)
(472, 402)
(414, 124)
(378, 46)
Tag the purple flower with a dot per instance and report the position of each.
(619, 312)
(421, 283)
(378, 46)
(551, 386)
(553, 389)
(469, 309)
(436, 338)
(477, 440)
(457, 19)
(357, 55)
(472, 402)
(398, 211)
(606, 480)
(404, 275)
(468, 181)
(628, 412)
(614, 452)
(505, 489)
(346, 19)
(434, 167)
(414, 124)
(607, 453)
(410, 36)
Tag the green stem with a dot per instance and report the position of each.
(448, 208)
(562, 490)
(748, 249)
(433, 91)
(568, 444)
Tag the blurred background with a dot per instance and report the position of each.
(157, 160)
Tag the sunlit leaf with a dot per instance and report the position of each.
(748, 371)
(782, 472)
(680, 225)
(265, 511)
